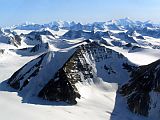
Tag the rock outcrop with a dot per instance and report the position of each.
(145, 80)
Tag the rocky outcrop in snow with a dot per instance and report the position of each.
(10, 39)
(35, 37)
(30, 51)
(140, 89)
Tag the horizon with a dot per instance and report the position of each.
(29, 23)
(85, 11)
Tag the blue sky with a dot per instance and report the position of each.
(43, 11)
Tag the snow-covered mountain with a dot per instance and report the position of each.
(121, 31)
(10, 38)
(30, 51)
(87, 64)
(66, 70)
(118, 24)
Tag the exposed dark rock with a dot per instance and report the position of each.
(125, 37)
(16, 40)
(140, 37)
(36, 37)
(2, 51)
(10, 39)
(109, 69)
(135, 47)
(38, 46)
(18, 76)
(74, 34)
(30, 51)
(150, 32)
(129, 68)
(144, 80)
(43, 32)
(113, 27)
(129, 45)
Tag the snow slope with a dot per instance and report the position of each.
(140, 56)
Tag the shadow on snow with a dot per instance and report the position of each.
(5, 87)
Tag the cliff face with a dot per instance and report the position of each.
(62, 86)
(140, 89)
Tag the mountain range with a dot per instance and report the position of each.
(97, 70)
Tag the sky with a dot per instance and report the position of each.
(43, 11)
